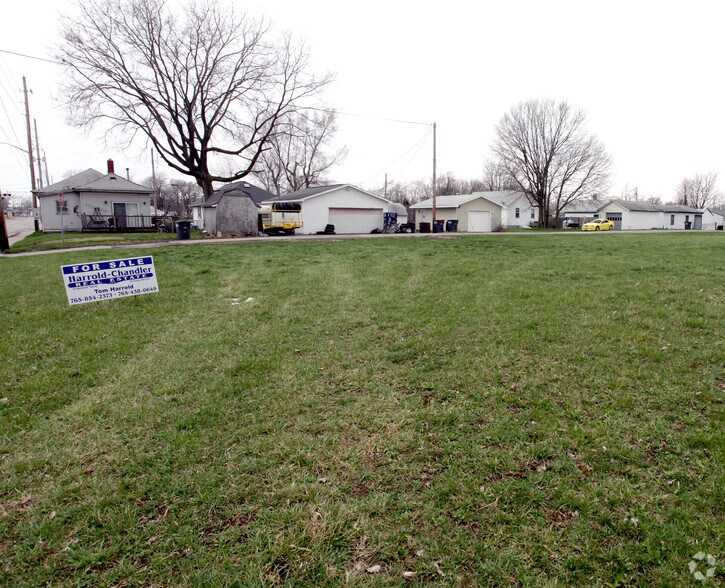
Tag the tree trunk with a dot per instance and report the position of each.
(206, 185)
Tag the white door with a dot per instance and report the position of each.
(356, 220)
(479, 221)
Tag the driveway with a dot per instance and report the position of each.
(19, 227)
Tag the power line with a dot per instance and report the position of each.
(30, 56)
(368, 116)
(417, 146)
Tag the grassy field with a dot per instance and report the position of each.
(40, 241)
(478, 411)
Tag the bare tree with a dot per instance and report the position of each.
(496, 177)
(199, 82)
(174, 196)
(698, 191)
(547, 152)
(298, 154)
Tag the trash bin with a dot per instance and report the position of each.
(688, 225)
(452, 226)
(183, 230)
(439, 226)
(425, 227)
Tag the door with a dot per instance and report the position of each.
(616, 218)
(356, 220)
(698, 222)
(479, 221)
(133, 219)
(119, 215)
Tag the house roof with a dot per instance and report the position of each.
(502, 197)
(91, 180)
(640, 206)
(718, 211)
(679, 208)
(236, 189)
(453, 201)
(584, 206)
(307, 193)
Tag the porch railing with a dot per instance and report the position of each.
(138, 223)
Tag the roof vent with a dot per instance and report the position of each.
(112, 177)
(246, 185)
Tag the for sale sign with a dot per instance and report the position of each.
(115, 278)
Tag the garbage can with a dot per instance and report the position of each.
(452, 226)
(425, 227)
(688, 225)
(183, 230)
(439, 226)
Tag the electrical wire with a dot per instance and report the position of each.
(416, 146)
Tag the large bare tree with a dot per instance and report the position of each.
(546, 150)
(300, 154)
(199, 82)
(698, 191)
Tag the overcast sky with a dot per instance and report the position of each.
(649, 75)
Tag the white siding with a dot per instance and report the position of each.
(316, 210)
(634, 220)
(522, 203)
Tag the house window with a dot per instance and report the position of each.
(58, 207)
(672, 220)
(533, 213)
(517, 213)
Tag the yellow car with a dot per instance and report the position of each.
(598, 224)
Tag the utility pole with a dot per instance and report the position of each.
(435, 188)
(4, 242)
(30, 155)
(37, 155)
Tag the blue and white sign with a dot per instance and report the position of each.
(103, 280)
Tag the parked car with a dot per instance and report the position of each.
(599, 224)
(570, 224)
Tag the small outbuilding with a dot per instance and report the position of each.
(232, 209)
(350, 209)
(517, 208)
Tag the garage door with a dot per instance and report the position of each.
(479, 221)
(616, 218)
(356, 220)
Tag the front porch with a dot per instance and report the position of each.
(114, 223)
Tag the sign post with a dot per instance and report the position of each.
(103, 280)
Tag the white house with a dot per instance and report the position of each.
(90, 200)
(517, 209)
(713, 218)
(475, 213)
(348, 208)
(629, 214)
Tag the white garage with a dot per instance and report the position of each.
(350, 209)
(479, 212)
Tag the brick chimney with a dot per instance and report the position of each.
(110, 166)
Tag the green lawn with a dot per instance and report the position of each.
(482, 411)
(40, 241)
